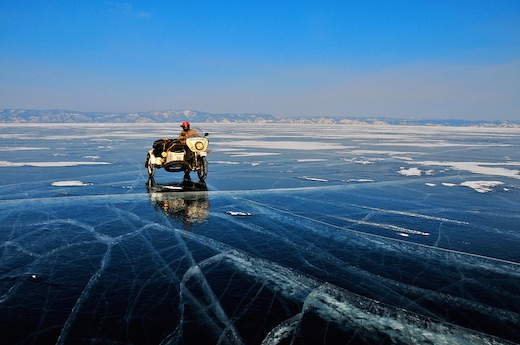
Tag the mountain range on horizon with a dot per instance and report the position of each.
(169, 116)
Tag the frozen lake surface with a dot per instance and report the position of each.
(301, 235)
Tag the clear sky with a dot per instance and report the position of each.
(420, 58)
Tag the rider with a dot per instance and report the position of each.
(186, 132)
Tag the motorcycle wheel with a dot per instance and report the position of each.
(150, 166)
(203, 171)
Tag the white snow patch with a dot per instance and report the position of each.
(361, 180)
(360, 161)
(225, 162)
(484, 168)
(365, 162)
(410, 172)
(282, 145)
(47, 164)
(21, 148)
(313, 179)
(431, 143)
(237, 213)
(481, 186)
(305, 160)
(252, 154)
(446, 184)
(382, 152)
(70, 184)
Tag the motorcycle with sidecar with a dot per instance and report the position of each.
(174, 156)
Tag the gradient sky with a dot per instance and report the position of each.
(420, 59)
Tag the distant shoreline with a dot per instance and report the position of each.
(25, 116)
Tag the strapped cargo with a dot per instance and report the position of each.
(165, 145)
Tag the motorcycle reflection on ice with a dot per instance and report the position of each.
(186, 201)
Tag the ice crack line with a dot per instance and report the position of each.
(84, 296)
(512, 265)
(222, 322)
(410, 214)
(284, 330)
(39, 258)
(384, 226)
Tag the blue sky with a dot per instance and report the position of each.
(419, 59)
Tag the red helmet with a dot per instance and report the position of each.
(185, 124)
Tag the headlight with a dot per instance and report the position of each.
(199, 145)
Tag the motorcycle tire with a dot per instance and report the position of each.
(203, 170)
(151, 168)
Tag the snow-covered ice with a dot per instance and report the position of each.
(70, 184)
(485, 168)
(410, 171)
(482, 186)
(48, 164)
